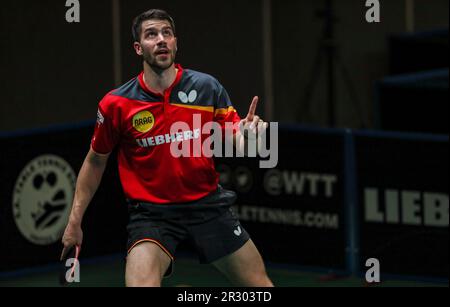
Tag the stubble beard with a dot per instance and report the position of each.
(158, 66)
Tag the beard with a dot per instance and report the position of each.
(159, 65)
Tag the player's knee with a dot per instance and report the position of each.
(144, 278)
(144, 281)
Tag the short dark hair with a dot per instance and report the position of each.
(157, 14)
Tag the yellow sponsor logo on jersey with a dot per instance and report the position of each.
(143, 121)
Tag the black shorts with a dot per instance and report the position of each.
(209, 222)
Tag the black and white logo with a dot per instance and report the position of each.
(238, 231)
(187, 98)
(240, 179)
(42, 199)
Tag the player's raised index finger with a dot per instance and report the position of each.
(252, 110)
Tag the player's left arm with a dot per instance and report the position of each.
(252, 126)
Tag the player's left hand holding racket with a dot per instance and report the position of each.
(72, 239)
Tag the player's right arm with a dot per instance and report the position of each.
(106, 136)
(89, 178)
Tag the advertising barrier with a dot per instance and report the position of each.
(38, 175)
(403, 202)
(335, 199)
(295, 211)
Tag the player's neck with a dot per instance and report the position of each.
(159, 81)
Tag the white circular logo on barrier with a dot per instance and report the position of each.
(42, 199)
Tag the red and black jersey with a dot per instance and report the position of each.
(139, 122)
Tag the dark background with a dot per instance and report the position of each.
(391, 75)
(56, 72)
